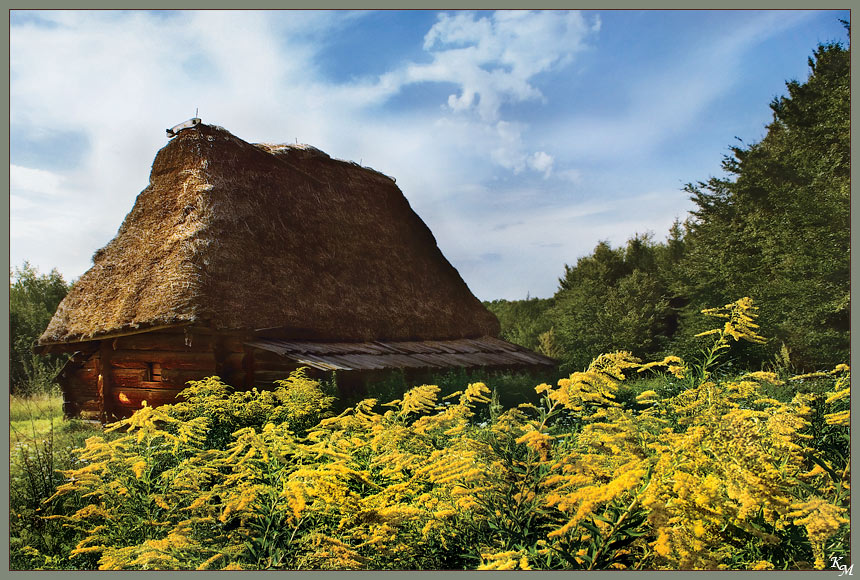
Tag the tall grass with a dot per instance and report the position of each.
(41, 443)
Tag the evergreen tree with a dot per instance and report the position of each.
(778, 228)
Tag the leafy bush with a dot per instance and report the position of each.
(716, 476)
(522, 321)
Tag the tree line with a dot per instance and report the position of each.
(776, 228)
(33, 299)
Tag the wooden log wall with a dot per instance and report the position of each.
(114, 378)
(79, 382)
(155, 367)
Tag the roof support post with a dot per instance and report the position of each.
(104, 381)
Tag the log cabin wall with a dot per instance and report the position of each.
(151, 368)
(79, 384)
(116, 375)
(111, 378)
(113, 381)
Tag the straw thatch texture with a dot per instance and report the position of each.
(231, 235)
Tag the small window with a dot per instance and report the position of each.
(154, 372)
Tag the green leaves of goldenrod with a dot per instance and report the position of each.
(722, 474)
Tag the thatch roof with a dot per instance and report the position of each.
(230, 235)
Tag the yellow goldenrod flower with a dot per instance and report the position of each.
(841, 394)
(138, 468)
(841, 418)
(767, 377)
(540, 443)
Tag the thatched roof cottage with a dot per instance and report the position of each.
(247, 261)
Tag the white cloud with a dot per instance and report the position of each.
(507, 150)
(541, 162)
(493, 59)
(34, 180)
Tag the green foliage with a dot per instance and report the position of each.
(548, 344)
(613, 299)
(522, 321)
(778, 228)
(33, 299)
(41, 444)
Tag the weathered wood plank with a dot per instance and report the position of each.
(164, 341)
(84, 408)
(128, 377)
(79, 398)
(139, 378)
(129, 364)
(129, 397)
(104, 381)
(82, 389)
(85, 374)
(204, 361)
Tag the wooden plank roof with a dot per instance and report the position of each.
(485, 351)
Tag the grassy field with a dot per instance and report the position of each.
(41, 443)
(33, 417)
(38, 420)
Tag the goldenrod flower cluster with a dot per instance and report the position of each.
(717, 476)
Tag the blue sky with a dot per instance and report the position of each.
(521, 138)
